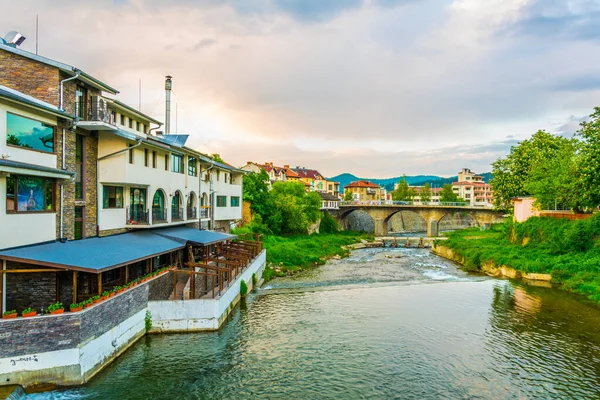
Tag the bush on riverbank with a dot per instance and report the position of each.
(290, 254)
(568, 250)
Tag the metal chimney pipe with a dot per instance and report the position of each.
(168, 85)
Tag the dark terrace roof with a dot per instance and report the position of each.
(10, 164)
(184, 234)
(94, 254)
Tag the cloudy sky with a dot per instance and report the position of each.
(377, 88)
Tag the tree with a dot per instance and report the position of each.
(402, 192)
(512, 174)
(294, 209)
(447, 195)
(425, 193)
(217, 157)
(348, 195)
(590, 157)
(256, 191)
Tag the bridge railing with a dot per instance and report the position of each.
(412, 203)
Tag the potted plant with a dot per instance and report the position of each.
(88, 303)
(120, 289)
(76, 307)
(96, 299)
(104, 295)
(9, 314)
(29, 312)
(112, 293)
(56, 308)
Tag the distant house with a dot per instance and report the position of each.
(276, 174)
(524, 208)
(364, 191)
(329, 201)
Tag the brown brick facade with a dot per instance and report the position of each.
(30, 77)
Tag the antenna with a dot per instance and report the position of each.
(37, 29)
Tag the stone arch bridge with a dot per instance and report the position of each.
(432, 215)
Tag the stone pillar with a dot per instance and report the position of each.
(433, 229)
(381, 227)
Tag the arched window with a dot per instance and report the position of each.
(158, 207)
(191, 206)
(176, 210)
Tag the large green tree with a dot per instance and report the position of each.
(402, 192)
(425, 193)
(256, 191)
(447, 195)
(294, 209)
(590, 157)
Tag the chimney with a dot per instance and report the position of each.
(286, 166)
(248, 162)
(168, 86)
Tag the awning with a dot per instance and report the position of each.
(102, 254)
(185, 234)
(94, 254)
(21, 168)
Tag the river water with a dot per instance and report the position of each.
(381, 324)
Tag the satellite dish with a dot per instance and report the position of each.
(14, 38)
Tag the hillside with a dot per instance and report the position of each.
(414, 180)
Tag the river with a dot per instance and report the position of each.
(383, 323)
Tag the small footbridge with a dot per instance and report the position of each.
(432, 214)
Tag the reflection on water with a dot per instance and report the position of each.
(384, 323)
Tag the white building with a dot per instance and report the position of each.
(473, 189)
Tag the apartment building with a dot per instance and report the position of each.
(365, 191)
(473, 189)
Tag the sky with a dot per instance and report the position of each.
(377, 88)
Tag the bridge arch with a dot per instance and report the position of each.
(357, 220)
(454, 220)
(406, 221)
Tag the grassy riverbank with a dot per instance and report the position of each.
(568, 250)
(289, 254)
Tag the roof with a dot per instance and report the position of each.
(22, 98)
(328, 197)
(102, 254)
(308, 173)
(366, 184)
(220, 165)
(69, 69)
(185, 234)
(134, 111)
(290, 173)
(471, 183)
(17, 167)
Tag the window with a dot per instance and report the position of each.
(130, 123)
(192, 166)
(130, 155)
(154, 159)
(29, 133)
(145, 128)
(80, 102)
(112, 197)
(146, 158)
(79, 166)
(78, 232)
(221, 201)
(235, 201)
(218, 174)
(137, 126)
(29, 194)
(122, 120)
(177, 163)
(113, 117)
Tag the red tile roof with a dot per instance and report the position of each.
(366, 184)
(308, 173)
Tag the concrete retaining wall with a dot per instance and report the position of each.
(202, 314)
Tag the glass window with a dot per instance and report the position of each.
(221, 201)
(122, 120)
(218, 175)
(80, 102)
(29, 133)
(130, 155)
(29, 194)
(166, 162)
(112, 197)
(130, 123)
(146, 158)
(235, 201)
(177, 163)
(192, 166)
(78, 231)
(79, 167)
(144, 128)
(154, 159)
(137, 126)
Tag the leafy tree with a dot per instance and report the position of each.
(294, 209)
(590, 157)
(511, 174)
(328, 224)
(425, 193)
(256, 191)
(217, 157)
(402, 192)
(447, 195)
(348, 196)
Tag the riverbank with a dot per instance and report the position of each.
(563, 252)
(287, 255)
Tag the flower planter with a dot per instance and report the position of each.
(10, 316)
(59, 311)
(31, 314)
(103, 298)
(96, 301)
(88, 305)
(76, 309)
(112, 294)
(120, 290)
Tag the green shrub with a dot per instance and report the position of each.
(328, 224)
(148, 321)
(254, 280)
(243, 288)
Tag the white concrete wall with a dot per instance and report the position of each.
(227, 189)
(202, 314)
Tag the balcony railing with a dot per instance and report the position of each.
(204, 212)
(176, 214)
(98, 111)
(159, 215)
(191, 213)
(136, 216)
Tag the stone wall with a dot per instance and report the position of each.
(30, 77)
(110, 232)
(58, 332)
(161, 287)
(35, 290)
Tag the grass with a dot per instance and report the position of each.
(568, 250)
(287, 255)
